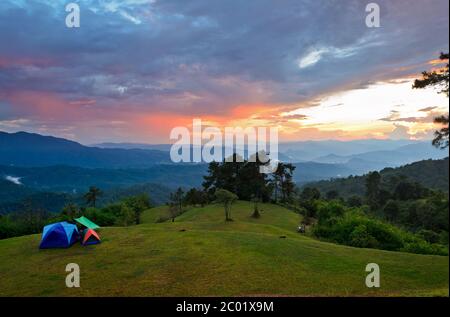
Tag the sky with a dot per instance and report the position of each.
(135, 69)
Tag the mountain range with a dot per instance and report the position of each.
(30, 149)
(33, 165)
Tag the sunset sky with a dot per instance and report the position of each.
(135, 69)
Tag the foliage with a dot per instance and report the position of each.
(244, 178)
(226, 198)
(195, 197)
(353, 227)
(432, 174)
(123, 213)
(92, 195)
(440, 79)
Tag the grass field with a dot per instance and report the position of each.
(202, 255)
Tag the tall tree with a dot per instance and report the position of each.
(195, 197)
(282, 181)
(287, 185)
(243, 178)
(92, 195)
(439, 79)
(373, 181)
(177, 198)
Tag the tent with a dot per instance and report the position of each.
(87, 223)
(90, 237)
(59, 235)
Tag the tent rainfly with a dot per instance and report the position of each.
(87, 223)
(59, 235)
(90, 237)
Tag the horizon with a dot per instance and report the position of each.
(155, 144)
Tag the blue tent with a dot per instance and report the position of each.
(59, 235)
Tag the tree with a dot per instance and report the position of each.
(332, 194)
(241, 177)
(373, 180)
(282, 181)
(127, 215)
(256, 213)
(138, 204)
(70, 210)
(391, 210)
(406, 190)
(310, 193)
(354, 201)
(173, 211)
(308, 198)
(287, 185)
(436, 78)
(177, 198)
(440, 79)
(195, 197)
(92, 195)
(227, 198)
(441, 136)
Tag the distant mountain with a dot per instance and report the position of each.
(430, 173)
(166, 147)
(375, 160)
(24, 197)
(29, 149)
(72, 179)
(129, 146)
(303, 151)
(311, 171)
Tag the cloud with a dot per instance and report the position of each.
(311, 58)
(427, 109)
(13, 179)
(129, 17)
(191, 58)
(316, 54)
(400, 132)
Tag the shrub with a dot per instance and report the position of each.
(353, 227)
(360, 237)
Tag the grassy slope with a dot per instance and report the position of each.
(211, 257)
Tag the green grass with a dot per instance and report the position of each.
(212, 257)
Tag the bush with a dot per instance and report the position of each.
(429, 236)
(360, 237)
(353, 227)
(422, 247)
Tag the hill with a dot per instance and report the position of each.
(201, 255)
(30, 149)
(78, 179)
(433, 174)
(17, 198)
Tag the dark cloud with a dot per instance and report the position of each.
(204, 56)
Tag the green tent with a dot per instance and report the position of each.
(87, 223)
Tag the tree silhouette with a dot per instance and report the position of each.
(440, 80)
(92, 195)
(373, 181)
(441, 136)
(227, 198)
(177, 198)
